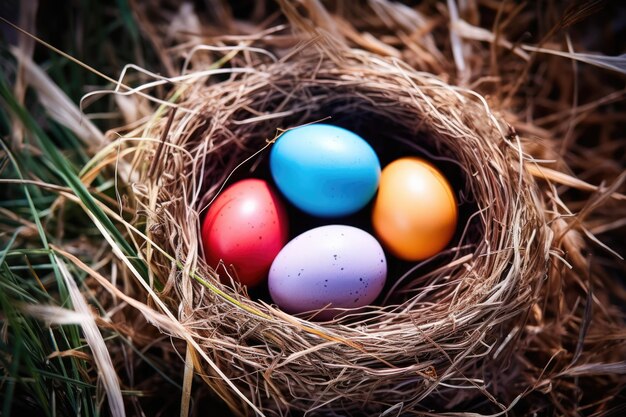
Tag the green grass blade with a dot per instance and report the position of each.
(66, 172)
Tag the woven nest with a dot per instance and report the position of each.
(442, 327)
(478, 327)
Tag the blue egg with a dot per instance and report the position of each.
(325, 170)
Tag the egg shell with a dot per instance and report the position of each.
(246, 226)
(415, 211)
(325, 170)
(337, 265)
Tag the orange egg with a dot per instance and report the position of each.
(415, 212)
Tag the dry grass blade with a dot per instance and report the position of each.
(565, 179)
(579, 10)
(55, 315)
(59, 106)
(106, 371)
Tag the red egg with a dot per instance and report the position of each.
(246, 226)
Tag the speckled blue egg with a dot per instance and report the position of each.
(325, 170)
(330, 267)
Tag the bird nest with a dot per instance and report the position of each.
(445, 331)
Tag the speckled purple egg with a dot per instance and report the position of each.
(332, 266)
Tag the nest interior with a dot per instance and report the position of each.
(448, 333)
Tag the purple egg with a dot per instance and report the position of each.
(337, 266)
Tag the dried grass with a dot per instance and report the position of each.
(516, 317)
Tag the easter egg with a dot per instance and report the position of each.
(246, 226)
(333, 266)
(415, 211)
(325, 170)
